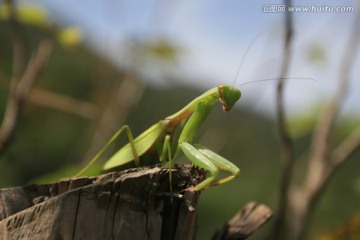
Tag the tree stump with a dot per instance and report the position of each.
(133, 204)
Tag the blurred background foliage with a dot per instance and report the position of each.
(58, 124)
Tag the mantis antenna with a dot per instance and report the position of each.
(261, 80)
(244, 56)
(273, 79)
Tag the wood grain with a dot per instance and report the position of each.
(133, 204)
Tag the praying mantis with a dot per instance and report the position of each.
(162, 133)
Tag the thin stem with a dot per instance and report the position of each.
(21, 89)
(19, 46)
(324, 161)
(287, 153)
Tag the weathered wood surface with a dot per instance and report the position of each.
(245, 222)
(132, 204)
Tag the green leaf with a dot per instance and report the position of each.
(28, 14)
(70, 36)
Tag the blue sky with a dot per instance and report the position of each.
(214, 36)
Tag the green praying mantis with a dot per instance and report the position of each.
(162, 134)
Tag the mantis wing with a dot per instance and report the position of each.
(142, 143)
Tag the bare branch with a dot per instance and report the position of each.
(286, 142)
(122, 100)
(323, 160)
(287, 152)
(321, 152)
(46, 98)
(53, 100)
(345, 150)
(21, 89)
(34, 68)
(245, 222)
(320, 143)
(19, 46)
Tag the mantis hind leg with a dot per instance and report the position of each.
(211, 162)
(132, 144)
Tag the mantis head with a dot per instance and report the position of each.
(228, 96)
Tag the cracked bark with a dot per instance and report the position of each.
(133, 203)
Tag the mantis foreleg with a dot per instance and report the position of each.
(202, 156)
(210, 161)
(199, 159)
(221, 163)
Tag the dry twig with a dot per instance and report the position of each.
(46, 98)
(21, 88)
(324, 160)
(287, 152)
(121, 101)
(21, 82)
(245, 222)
